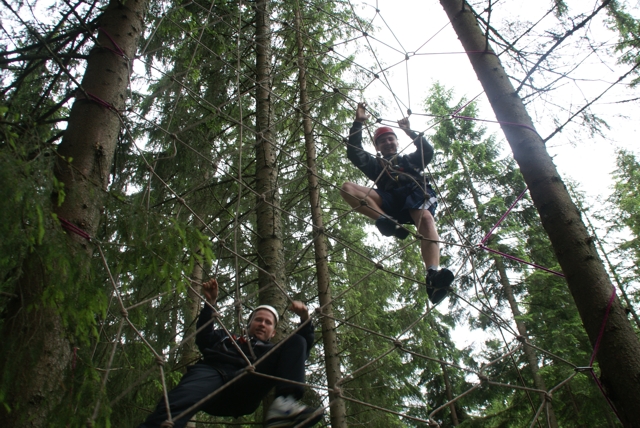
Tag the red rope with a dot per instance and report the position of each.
(520, 260)
(604, 322)
(118, 51)
(67, 225)
(102, 102)
(517, 259)
(596, 347)
(503, 216)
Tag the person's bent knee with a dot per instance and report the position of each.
(347, 187)
(427, 216)
(425, 220)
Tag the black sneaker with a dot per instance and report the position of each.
(438, 283)
(389, 227)
(288, 412)
(401, 232)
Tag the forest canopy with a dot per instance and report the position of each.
(148, 146)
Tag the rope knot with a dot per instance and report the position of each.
(397, 343)
(124, 313)
(167, 424)
(160, 361)
(379, 266)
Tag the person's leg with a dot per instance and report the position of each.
(287, 363)
(426, 225)
(354, 194)
(438, 280)
(374, 208)
(199, 381)
(243, 395)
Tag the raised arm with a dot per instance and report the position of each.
(362, 159)
(300, 309)
(361, 113)
(210, 291)
(424, 149)
(208, 335)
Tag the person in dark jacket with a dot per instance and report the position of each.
(224, 382)
(402, 194)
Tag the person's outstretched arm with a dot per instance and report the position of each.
(363, 160)
(208, 335)
(300, 309)
(424, 154)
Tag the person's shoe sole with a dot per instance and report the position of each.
(440, 288)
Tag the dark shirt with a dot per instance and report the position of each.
(218, 350)
(392, 171)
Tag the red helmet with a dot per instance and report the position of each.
(381, 131)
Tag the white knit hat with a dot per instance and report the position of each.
(267, 307)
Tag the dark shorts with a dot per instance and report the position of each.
(398, 202)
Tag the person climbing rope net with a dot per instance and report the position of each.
(226, 381)
(402, 194)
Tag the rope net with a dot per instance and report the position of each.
(184, 206)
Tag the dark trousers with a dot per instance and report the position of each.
(242, 396)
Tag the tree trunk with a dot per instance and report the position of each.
(190, 352)
(84, 162)
(269, 225)
(619, 351)
(529, 352)
(447, 385)
(329, 338)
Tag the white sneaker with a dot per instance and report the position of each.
(289, 412)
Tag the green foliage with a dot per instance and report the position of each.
(478, 188)
(624, 232)
(627, 26)
(181, 197)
